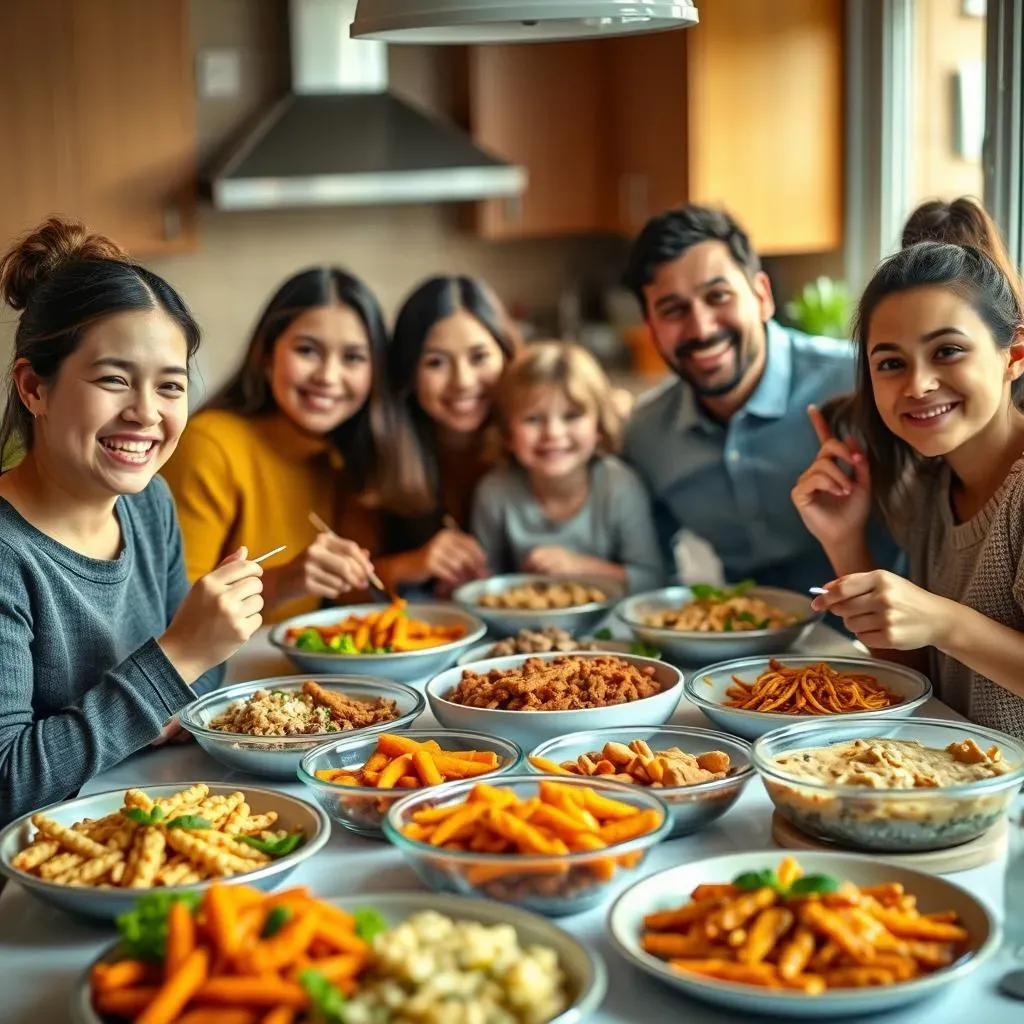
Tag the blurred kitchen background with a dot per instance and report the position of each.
(820, 123)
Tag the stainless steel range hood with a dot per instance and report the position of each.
(340, 138)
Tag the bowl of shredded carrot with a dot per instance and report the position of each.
(551, 844)
(399, 641)
(749, 697)
(357, 780)
(238, 956)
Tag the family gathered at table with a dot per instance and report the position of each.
(884, 475)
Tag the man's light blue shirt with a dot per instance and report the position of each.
(730, 483)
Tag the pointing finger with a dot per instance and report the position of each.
(821, 428)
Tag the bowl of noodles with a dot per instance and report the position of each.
(701, 624)
(749, 697)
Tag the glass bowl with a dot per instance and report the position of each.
(362, 809)
(552, 884)
(279, 756)
(889, 820)
(691, 807)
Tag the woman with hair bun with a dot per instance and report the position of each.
(101, 640)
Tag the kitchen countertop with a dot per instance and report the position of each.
(43, 952)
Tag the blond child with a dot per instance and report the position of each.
(564, 503)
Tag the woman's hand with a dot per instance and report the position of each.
(218, 615)
(553, 560)
(834, 507)
(172, 733)
(887, 612)
(452, 557)
(329, 567)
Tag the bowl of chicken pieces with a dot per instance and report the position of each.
(267, 726)
(699, 773)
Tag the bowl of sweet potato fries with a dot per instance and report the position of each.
(239, 956)
(357, 780)
(551, 844)
(399, 641)
(828, 935)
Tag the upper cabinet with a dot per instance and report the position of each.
(98, 120)
(536, 106)
(745, 110)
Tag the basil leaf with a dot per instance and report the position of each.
(137, 814)
(701, 591)
(742, 588)
(276, 920)
(748, 881)
(727, 628)
(274, 847)
(189, 821)
(369, 923)
(641, 650)
(603, 634)
(327, 999)
(811, 884)
(764, 623)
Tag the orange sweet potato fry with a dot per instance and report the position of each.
(408, 782)
(378, 760)
(425, 767)
(401, 765)
(457, 825)
(549, 767)
(125, 1002)
(624, 829)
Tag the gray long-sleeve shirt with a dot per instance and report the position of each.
(615, 524)
(83, 682)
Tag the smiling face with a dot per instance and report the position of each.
(457, 371)
(939, 379)
(115, 412)
(707, 318)
(321, 370)
(549, 434)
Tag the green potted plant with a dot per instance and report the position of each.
(823, 308)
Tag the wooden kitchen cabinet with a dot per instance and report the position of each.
(98, 120)
(745, 111)
(535, 106)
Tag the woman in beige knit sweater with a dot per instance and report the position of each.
(940, 334)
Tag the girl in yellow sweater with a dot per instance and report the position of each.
(298, 429)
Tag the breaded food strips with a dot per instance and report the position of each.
(178, 840)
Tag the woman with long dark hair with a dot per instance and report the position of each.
(299, 429)
(450, 345)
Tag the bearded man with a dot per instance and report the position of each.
(721, 446)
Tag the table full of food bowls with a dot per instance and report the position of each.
(540, 802)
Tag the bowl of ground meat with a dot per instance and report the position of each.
(533, 698)
(266, 726)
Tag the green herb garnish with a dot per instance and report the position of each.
(189, 821)
(808, 885)
(704, 591)
(328, 1000)
(274, 847)
(276, 920)
(369, 923)
(141, 817)
(603, 634)
(763, 879)
(811, 884)
(641, 650)
(143, 929)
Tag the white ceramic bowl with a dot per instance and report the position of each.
(707, 689)
(406, 667)
(508, 621)
(530, 728)
(695, 648)
(670, 889)
(481, 652)
(106, 904)
(586, 976)
(279, 756)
